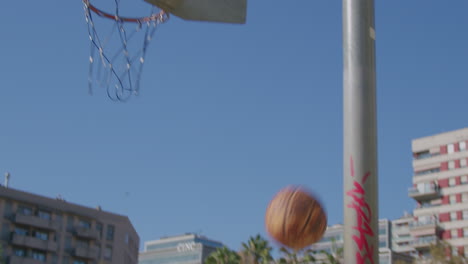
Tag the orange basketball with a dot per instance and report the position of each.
(295, 218)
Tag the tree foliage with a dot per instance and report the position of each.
(258, 250)
(296, 257)
(223, 256)
(440, 254)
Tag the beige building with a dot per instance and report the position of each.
(440, 189)
(401, 237)
(37, 230)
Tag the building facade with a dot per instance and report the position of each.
(184, 249)
(440, 189)
(40, 230)
(402, 240)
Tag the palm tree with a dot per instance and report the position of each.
(223, 256)
(336, 254)
(297, 257)
(258, 249)
(438, 252)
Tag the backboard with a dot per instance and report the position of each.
(226, 11)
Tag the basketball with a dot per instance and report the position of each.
(295, 218)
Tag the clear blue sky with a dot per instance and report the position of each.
(227, 115)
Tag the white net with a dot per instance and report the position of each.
(117, 53)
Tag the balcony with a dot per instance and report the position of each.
(401, 230)
(401, 239)
(86, 252)
(32, 242)
(424, 242)
(24, 260)
(428, 193)
(424, 228)
(32, 220)
(85, 232)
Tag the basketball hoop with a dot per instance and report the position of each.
(116, 58)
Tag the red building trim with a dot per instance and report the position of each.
(444, 166)
(443, 183)
(443, 149)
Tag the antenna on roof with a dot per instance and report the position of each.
(7, 179)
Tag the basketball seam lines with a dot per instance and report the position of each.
(287, 210)
(309, 217)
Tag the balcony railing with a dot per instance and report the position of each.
(416, 224)
(33, 242)
(24, 260)
(36, 221)
(423, 242)
(85, 232)
(425, 172)
(86, 252)
(428, 193)
(400, 230)
(402, 238)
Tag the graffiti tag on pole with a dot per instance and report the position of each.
(363, 217)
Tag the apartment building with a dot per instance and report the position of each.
(184, 249)
(40, 230)
(402, 240)
(440, 189)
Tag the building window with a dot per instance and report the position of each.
(20, 252)
(38, 255)
(450, 148)
(423, 154)
(110, 232)
(424, 172)
(24, 210)
(451, 165)
(70, 222)
(98, 250)
(99, 228)
(462, 163)
(6, 231)
(462, 145)
(76, 261)
(382, 244)
(453, 199)
(464, 179)
(68, 242)
(452, 182)
(454, 251)
(464, 197)
(454, 233)
(41, 235)
(84, 223)
(465, 233)
(8, 211)
(21, 231)
(82, 243)
(465, 216)
(453, 216)
(108, 252)
(43, 214)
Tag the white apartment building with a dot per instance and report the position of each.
(402, 241)
(440, 189)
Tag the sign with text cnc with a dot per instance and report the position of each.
(185, 247)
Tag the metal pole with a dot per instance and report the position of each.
(361, 235)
